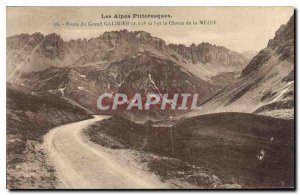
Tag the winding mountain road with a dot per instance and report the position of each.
(81, 164)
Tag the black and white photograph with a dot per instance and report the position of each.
(151, 97)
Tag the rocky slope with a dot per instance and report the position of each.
(211, 62)
(29, 118)
(27, 53)
(37, 52)
(266, 85)
(142, 74)
(209, 55)
(118, 61)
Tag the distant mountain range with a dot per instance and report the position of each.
(36, 52)
(118, 61)
(136, 62)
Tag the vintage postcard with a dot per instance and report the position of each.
(150, 97)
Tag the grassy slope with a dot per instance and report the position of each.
(29, 118)
(229, 144)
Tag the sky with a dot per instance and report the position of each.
(237, 28)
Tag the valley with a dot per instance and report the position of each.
(238, 133)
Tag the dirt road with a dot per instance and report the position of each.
(81, 164)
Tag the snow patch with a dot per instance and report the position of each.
(62, 90)
(286, 88)
(261, 155)
(83, 76)
(119, 84)
(80, 88)
(114, 75)
(150, 78)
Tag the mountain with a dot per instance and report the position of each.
(143, 74)
(118, 61)
(208, 55)
(249, 54)
(217, 64)
(266, 84)
(27, 53)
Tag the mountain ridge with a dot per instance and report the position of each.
(54, 47)
(266, 84)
